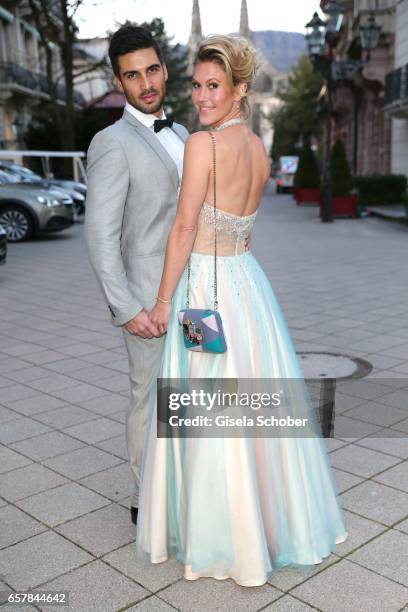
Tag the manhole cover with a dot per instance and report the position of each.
(332, 365)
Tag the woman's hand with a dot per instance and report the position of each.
(160, 315)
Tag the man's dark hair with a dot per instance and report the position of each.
(131, 38)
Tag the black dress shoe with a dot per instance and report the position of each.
(133, 514)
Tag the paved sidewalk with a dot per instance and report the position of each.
(64, 476)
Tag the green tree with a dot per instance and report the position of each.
(342, 180)
(283, 142)
(297, 119)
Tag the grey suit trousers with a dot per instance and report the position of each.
(144, 363)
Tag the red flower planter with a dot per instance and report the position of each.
(343, 206)
(307, 195)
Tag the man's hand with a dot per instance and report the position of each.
(247, 242)
(142, 326)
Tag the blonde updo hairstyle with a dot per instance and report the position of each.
(236, 56)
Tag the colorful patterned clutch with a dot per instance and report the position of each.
(202, 330)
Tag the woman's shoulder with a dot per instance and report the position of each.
(257, 140)
(198, 138)
(198, 143)
(259, 148)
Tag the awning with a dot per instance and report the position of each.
(6, 15)
(29, 28)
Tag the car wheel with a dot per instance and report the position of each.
(17, 222)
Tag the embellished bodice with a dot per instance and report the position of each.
(231, 231)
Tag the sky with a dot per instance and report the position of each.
(95, 17)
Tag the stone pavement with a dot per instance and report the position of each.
(64, 477)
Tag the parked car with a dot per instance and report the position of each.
(11, 177)
(3, 245)
(285, 175)
(75, 189)
(27, 209)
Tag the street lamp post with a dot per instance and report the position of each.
(333, 25)
(322, 35)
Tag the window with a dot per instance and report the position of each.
(5, 42)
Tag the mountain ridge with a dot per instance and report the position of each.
(282, 49)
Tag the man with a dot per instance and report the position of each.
(134, 169)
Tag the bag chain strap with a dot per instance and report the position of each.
(215, 237)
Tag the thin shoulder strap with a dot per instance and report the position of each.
(215, 234)
(214, 168)
(215, 217)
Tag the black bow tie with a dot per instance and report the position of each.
(161, 123)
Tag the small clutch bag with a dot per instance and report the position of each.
(202, 328)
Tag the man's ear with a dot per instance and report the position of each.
(166, 74)
(118, 84)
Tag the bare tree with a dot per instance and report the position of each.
(55, 22)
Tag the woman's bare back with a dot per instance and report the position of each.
(242, 170)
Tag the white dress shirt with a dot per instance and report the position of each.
(167, 137)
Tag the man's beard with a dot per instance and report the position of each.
(148, 109)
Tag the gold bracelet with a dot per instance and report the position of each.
(163, 301)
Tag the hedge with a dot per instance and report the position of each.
(381, 188)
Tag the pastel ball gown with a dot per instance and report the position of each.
(227, 507)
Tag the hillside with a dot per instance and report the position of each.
(282, 49)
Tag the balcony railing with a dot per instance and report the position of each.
(14, 74)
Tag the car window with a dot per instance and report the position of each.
(8, 177)
(20, 172)
(25, 172)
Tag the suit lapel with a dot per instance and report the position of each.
(150, 138)
(179, 131)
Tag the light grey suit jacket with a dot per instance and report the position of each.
(130, 207)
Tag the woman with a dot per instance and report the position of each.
(237, 507)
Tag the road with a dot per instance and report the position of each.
(64, 477)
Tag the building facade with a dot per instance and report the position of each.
(396, 93)
(93, 68)
(359, 115)
(23, 80)
(23, 72)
